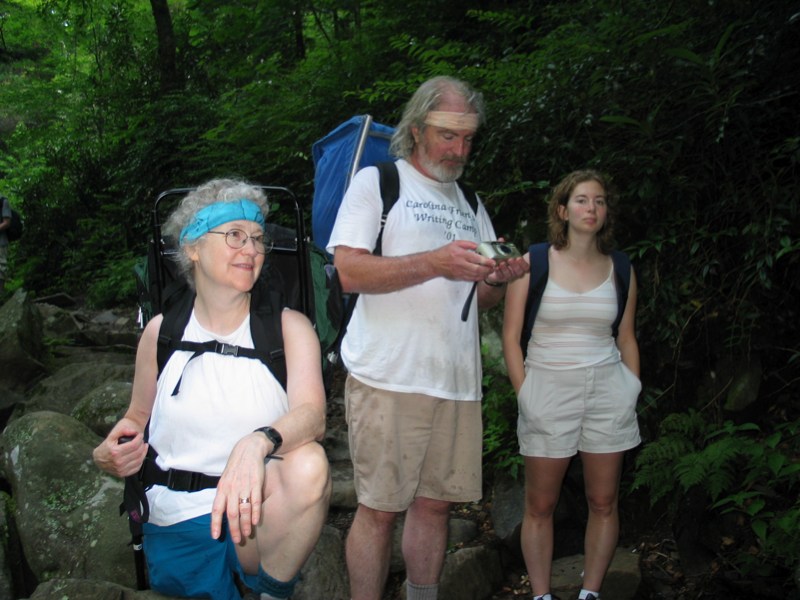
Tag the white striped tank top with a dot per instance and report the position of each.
(574, 330)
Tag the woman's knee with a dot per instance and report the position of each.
(305, 472)
(602, 505)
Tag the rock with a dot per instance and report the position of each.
(67, 510)
(621, 582)
(508, 506)
(471, 574)
(61, 300)
(58, 323)
(102, 407)
(6, 591)
(21, 345)
(324, 575)
(63, 390)
(80, 589)
(343, 494)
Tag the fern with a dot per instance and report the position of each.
(715, 468)
(680, 436)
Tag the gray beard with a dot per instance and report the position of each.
(439, 172)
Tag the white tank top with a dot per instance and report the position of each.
(574, 330)
(221, 399)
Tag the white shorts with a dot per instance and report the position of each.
(588, 409)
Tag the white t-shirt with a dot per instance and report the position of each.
(221, 399)
(413, 340)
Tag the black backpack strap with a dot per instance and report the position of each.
(622, 277)
(175, 479)
(175, 319)
(389, 183)
(470, 195)
(537, 281)
(266, 308)
(265, 329)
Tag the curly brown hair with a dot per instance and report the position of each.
(558, 233)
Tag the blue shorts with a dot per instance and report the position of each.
(184, 560)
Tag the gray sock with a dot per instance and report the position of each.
(421, 592)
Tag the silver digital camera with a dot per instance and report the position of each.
(498, 250)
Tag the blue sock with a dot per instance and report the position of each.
(278, 589)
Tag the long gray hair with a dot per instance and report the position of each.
(426, 99)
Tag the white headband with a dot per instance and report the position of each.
(452, 120)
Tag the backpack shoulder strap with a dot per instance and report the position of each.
(537, 281)
(170, 333)
(470, 195)
(622, 277)
(389, 183)
(265, 327)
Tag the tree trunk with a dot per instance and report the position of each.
(166, 46)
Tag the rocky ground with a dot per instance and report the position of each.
(663, 575)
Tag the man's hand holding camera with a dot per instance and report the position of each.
(508, 264)
(493, 262)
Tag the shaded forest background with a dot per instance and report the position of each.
(690, 106)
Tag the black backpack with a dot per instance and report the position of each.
(540, 267)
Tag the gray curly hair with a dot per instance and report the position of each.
(216, 190)
(426, 99)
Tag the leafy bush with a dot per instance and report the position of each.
(113, 285)
(741, 470)
(500, 448)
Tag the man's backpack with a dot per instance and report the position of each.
(540, 268)
(357, 143)
(14, 231)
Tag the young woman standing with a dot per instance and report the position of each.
(577, 384)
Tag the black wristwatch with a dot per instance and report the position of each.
(273, 436)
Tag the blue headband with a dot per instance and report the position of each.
(218, 213)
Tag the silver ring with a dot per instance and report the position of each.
(244, 500)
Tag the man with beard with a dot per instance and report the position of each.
(414, 368)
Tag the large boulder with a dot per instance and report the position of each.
(67, 510)
(80, 589)
(102, 407)
(63, 390)
(21, 344)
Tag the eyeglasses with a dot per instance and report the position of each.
(236, 239)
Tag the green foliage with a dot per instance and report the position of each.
(500, 448)
(680, 435)
(112, 285)
(740, 469)
(768, 496)
(689, 106)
